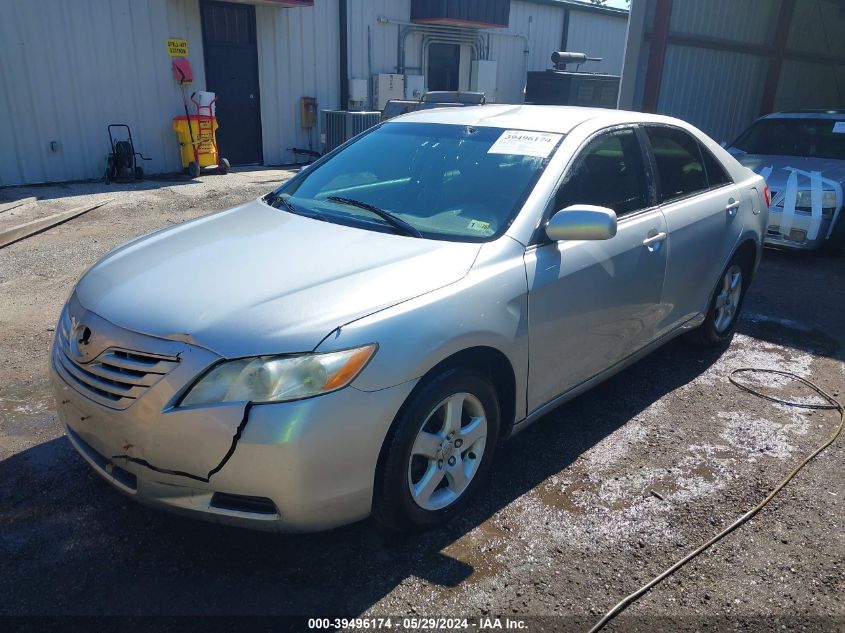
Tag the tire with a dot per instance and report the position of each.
(395, 507)
(223, 167)
(193, 169)
(718, 329)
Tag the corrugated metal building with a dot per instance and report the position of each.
(722, 63)
(67, 69)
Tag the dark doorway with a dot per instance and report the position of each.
(444, 64)
(231, 71)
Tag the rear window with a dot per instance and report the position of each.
(680, 168)
(716, 174)
(809, 138)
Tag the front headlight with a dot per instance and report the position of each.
(278, 378)
(804, 200)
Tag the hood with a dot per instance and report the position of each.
(257, 280)
(829, 168)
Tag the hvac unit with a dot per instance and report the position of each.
(387, 87)
(338, 126)
(559, 86)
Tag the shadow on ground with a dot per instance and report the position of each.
(797, 300)
(74, 545)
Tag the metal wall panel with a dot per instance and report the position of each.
(67, 69)
(749, 21)
(598, 35)
(817, 27)
(717, 91)
(543, 26)
(809, 85)
(383, 37)
(297, 57)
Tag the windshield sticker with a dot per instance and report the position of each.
(839, 127)
(478, 225)
(522, 143)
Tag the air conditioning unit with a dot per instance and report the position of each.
(338, 126)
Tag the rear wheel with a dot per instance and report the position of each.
(193, 169)
(438, 452)
(223, 167)
(726, 304)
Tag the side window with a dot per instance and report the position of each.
(608, 173)
(679, 163)
(716, 174)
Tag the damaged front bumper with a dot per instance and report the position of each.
(305, 465)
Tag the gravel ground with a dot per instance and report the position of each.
(586, 505)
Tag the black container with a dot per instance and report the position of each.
(560, 87)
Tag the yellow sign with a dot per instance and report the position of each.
(177, 48)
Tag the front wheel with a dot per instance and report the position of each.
(438, 452)
(726, 304)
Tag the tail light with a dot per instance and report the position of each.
(767, 195)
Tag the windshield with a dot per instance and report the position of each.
(449, 182)
(809, 138)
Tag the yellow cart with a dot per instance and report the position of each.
(198, 143)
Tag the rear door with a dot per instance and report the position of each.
(700, 203)
(594, 303)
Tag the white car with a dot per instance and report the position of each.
(802, 157)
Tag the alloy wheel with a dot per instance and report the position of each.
(727, 301)
(447, 451)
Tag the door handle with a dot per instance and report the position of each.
(732, 207)
(654, 239)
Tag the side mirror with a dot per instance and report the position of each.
(582, 222)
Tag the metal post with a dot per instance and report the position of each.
(344, 55)
(657, 55)
(781, 35)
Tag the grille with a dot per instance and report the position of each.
(116, 378)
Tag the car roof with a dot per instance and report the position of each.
(536, 118)
(834, 115)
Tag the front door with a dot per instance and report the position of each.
(591, 304)
(231, 72)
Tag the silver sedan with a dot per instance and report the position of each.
(362, 340)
